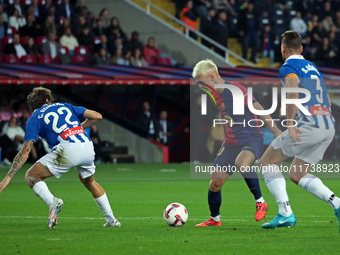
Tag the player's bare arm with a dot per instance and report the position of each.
(91, 118)
(291, 108)
(268, 120)
(18, 161)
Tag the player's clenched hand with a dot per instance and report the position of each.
(293, 132)
(4, 183)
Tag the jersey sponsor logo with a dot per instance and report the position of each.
(320, 110)
(72, 131)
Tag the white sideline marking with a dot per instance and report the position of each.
(167, 170)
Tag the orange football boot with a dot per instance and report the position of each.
(208, 223)
(261, 210)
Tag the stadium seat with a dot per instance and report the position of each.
(79, 59)
(45, 59)
(11, 30)
(26, 2)
(96, 40)
(7, 40)
(11, 59)
(164, 61)
(64, 50)
(41, 39)
(81, 50)
(29, 59)
(41, 2)
(23, 40)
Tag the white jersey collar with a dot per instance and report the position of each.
(295, 57)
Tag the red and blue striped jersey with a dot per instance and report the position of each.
(237, 133)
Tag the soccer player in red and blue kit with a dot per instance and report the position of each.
(242, 146)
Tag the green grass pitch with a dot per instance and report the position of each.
(138, 194)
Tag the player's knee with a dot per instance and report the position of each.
(88, 182)
(294, 178)
(31, 180)
(215, 185)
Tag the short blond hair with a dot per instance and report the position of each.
(204, 67)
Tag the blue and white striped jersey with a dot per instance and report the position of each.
(57, 122)
(311, 79)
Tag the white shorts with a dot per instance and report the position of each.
(311, 148)
(68, 155)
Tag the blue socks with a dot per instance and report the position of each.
(214, 201)
(253, 183)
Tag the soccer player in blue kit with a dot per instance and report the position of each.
(242, 145)
(59, 123)
(307, 141)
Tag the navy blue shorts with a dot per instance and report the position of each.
(228, 153)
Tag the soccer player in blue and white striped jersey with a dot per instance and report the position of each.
(59, 123)
(307, 141)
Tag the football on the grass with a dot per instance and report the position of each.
(175, 215)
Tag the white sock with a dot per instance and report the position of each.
(104, 206)
(216, 218)
(42, 191)
(276, 184)
(260, 200)
(314, 186)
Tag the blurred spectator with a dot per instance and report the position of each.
(326, 10)
(16, 134)
(103, 57)
(34, 10)
(80, 4)
(16, 21)
(86, 38)
(201, 7)
(151, 51)
(109, 47)
(299, 25)
(51, 11)
(327, 54)
(5, 110)
(327, 23)
(43, 9)
(3, 14)
(220, 32)
(3, 28)
(15, 47)
(120, 59)
(303, 6)
(114, 25)
(17, 6)
(66, 23)
(52, 48)
(206, 26)
(189, 18)
(31, 48)
(99, 28)
(30, 29)
(104, 15)
(65, 9)
(137, 59)
(49, 26)
(145, 118)
(135, 43)
(248, 29)
(223, 5)
(79, 24)
(317, 34)
(165, 128)
(268, 47)
(69, 41)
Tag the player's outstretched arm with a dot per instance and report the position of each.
(268, 120)
(18, 161)
(91, 118)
